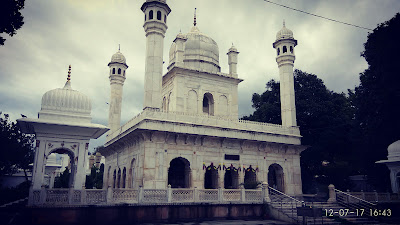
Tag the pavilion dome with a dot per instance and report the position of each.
(284, 33)
(66, 104)
(200, 51)
(394, 150)
(118, 57)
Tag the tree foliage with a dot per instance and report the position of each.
(95, 179)
(11, 18)
(62, 181)
(377, 98)
(16, 148)
(324, 118)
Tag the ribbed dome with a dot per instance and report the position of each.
(394, 150)
(69, 104)
(284, 33)
(118, 57)
(200, 51)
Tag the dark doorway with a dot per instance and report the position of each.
(179, 173)
(211, 178)
(231, 179)
(250, 178)
(276, 178)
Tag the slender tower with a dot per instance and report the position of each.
(155, 26)
(117, 78)
(284, 46)
(233, 60)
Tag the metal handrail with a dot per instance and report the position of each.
(352, 196)
(285, 195)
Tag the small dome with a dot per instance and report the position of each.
(394, 150)
(66, 104)
(233, 49)
(284, 33)
(118, 57)
(200, 51)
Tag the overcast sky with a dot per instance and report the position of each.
(86, 34)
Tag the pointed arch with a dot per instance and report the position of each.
(123, 178)
(119, 178)
(284, 49)
(113, 70)
(151, 15)
(208, 104)
(114, 177)
(158, 15)
(276, 177)
(192, 102)
(179, 173)
(119, 70)
(131, 174)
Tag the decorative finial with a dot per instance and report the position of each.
(194, 23)
(119, 47)
(69, 74)
(284, 22)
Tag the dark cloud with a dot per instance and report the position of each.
(87, 33)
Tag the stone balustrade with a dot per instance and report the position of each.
(141, 196)
(204, 120)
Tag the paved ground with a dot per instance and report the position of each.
(230, 222)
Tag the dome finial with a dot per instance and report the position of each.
(194, 23)
(284, 23)
(69, 73)
(119, 47)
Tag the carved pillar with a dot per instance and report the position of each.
(332, 193)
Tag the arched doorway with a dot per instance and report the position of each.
(119, 178)
(231, 178)
(276, 177)
(250, 178)
(211, 177)
(131, 179)
(64, 175)
(179, 173)
(114, 178)
(208, 104)
(123, 178)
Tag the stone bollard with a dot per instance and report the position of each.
(265, 192)
(169, 193)
(332, 193)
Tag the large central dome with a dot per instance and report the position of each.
(199, 51)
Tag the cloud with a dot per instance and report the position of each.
(85, 34)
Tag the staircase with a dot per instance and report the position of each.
(287, 206)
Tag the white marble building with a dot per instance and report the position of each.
(63, 126)
(393, 163)
(188, 134)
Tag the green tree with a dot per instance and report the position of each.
(62, 181)
(325, 120)
(95, 179)
(377, 100)
(16, 148)
(11, 18)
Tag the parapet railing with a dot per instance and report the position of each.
(112, 196)
(208, 120)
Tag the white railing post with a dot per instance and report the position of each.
(42, 195)
(242, 193)
(141, 194)
(265, 192)
(332, 193)
(70, 196)
(169, 193)
(109, 195)
(83, 196)
(195, 193)
(220, 197)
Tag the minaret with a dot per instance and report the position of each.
(232, 61)
(117, 78)
(155, 26)
(284, 46)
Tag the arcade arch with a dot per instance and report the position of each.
(179, 173)
(276, 177)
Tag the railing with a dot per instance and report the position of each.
(286, 204)
(353, 202)
(210, 121)
(113, 196)
(376, 196)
